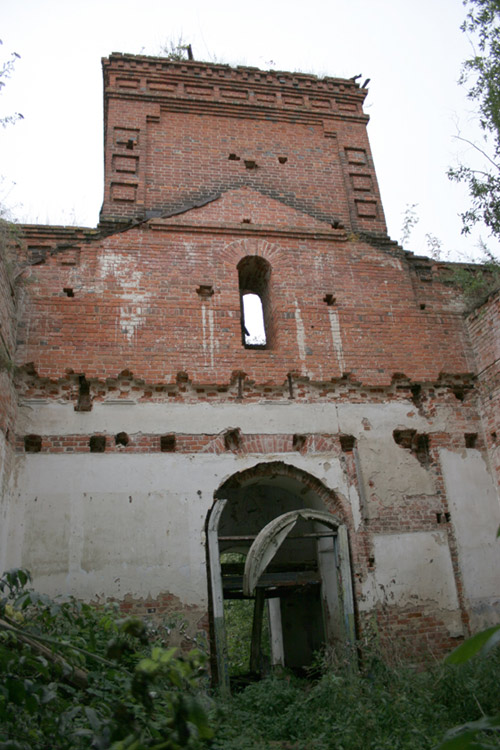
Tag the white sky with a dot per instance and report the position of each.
(51, 161)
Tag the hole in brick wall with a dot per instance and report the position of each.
(84, 402)
(32, 443)
(182, 377)
(97, 443)
(470, 439)
(337, 224)
(371, 562)
(167, 443)
(282, 159)
(232, 439)
(416, 443)
(122, 439)
(416, 394)
(205, 291)
(422, 306)
(233, 157)
(439, 517)
(246, 221)
(347, 443)
(494, 436)
(459, 393)
(330, 299)
(447, 517)
(250, 164)
(68, 292)
(298, 442)
(130, 144)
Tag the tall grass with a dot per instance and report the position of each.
(378, 708)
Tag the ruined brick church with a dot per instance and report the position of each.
(348, 455)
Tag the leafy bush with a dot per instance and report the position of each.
(77, 676)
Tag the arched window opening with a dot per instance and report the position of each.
(253, 320)
(253, 275)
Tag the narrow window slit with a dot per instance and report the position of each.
(253, 274)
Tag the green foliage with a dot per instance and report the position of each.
(378, 708)
(482, 73)
(77, 676)
(476, 282)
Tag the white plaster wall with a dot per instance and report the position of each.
(414, 570)
(475, 514)
(99, 525)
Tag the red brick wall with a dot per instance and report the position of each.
(178, 133)
(9, 297)
(484, 329)
(135, 307)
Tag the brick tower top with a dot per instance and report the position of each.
(179, 133)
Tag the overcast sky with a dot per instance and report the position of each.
(52, 161)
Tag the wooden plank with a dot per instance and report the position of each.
(218, 596)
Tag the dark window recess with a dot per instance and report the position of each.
(167, 443)
(234, 157)
(254, 274)
(347, 443)
(246, 221)
(282, 159)
(84, 402)
(459, 393)
(416, 443)
(337, 224)
(298, 442)
(250, 164)
(470, 439)
(329, 299)
(122, 439)
(97, 443)
(232, 439)
(68, 291)
(32, 443)
(422, 306)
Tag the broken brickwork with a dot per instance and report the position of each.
(151, 438)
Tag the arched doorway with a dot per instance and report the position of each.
(284, 535)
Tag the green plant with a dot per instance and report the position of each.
(78, 676)
(482, 73)
(477, 282)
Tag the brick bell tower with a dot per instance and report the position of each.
(179, 135)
